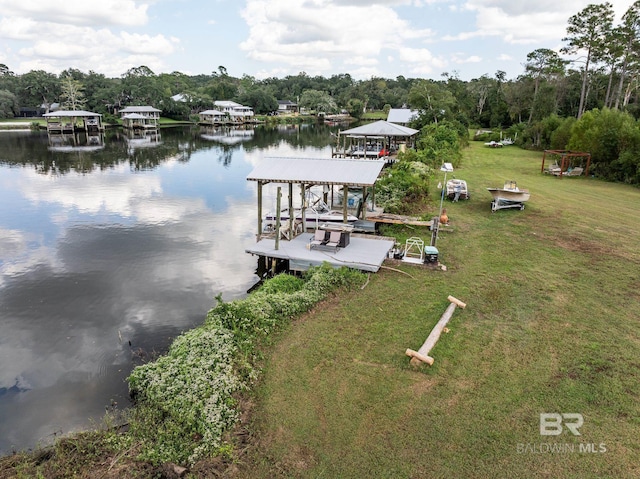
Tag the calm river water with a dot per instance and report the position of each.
(108, 252)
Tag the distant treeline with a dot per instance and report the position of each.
(604, 72)
(552, 92)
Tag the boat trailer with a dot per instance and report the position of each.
(501, 203)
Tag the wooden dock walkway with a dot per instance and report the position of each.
(362, 253)
(398, 219)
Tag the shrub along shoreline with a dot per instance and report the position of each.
(193, 388)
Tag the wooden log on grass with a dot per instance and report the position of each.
(422, 355)
(415, 354)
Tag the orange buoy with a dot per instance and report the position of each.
(444, 219)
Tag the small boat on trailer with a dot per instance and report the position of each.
(457, 190)
(509, 196)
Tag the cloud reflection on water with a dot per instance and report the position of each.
(113, 267)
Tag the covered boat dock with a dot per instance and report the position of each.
(308, 172)
(374, 140)
(361, 252)
(70, 121)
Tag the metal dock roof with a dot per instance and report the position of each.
(381, 128)
(318, 171)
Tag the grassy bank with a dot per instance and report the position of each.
(16, 124)
(551, 326)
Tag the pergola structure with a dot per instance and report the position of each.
(566, 156)
(308, 172)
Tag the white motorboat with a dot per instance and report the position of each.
(314, 215)
(509, 196)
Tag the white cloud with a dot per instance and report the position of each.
(468, 59)
(321, 35)
(421, 61)
(146, 44)
(110, 53)
(47, 36)
(78, 12)
(520, 23)
(53, 50)
(361, 61)
(566, 8)
(17, 28)
(108, 191)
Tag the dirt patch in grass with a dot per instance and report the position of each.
(580, 245)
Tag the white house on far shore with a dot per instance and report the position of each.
(237, 112)
(287, 107)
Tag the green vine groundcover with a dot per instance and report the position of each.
(187, 399)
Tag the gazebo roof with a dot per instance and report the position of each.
(380, 128)
(317, 171)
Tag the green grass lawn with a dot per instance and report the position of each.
(552, 325)
(374, 115)
(17, 123)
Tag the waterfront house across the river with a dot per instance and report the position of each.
(286, 107)
(236, 112)
(140, 117)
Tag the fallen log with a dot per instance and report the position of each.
(415, 354)
(422, 355)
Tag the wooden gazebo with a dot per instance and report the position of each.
(566, 156)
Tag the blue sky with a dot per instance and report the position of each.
(267, 38)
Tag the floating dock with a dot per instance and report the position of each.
(362, 253)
